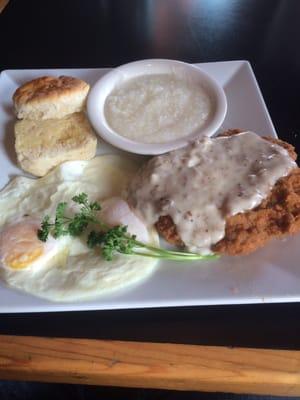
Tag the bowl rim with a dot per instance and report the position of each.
(98, 120)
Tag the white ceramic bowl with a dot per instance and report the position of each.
(105, 85)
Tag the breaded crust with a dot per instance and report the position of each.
(278, 215)
(50, 97)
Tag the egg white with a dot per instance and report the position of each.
(72, 272)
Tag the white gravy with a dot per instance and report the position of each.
(157, 108)
(202, 184)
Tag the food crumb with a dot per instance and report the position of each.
(234, 290)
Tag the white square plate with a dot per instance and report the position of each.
(268, 275)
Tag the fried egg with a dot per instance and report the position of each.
(65, 269)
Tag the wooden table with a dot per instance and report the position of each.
(76, 33)
(3, 4)
(150, 365)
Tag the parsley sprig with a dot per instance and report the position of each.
(75, 226)
(110, 240)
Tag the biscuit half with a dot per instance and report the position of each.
(42, 145)
(50, 97)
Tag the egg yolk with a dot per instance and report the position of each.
(19, 245)
(22, 260)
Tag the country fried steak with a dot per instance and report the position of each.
(278, 215)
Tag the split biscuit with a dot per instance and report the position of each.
(42, 145)
(50, 97)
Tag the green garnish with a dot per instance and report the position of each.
(116, 239)
(109, 240)
(43, 233)
(65, 225)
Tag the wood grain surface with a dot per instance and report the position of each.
(150, 365)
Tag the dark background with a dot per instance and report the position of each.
(107, 33)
